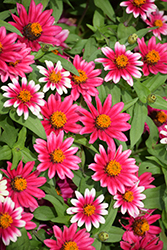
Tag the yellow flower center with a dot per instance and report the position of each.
(32, 31)
(58, 119)
(1, 47)
(161, 117)
(81, 78)
(128, 196)
(14, 63)
(70, 245)
(55, 77)
(25, 95)
(138, 3)
(19, 184)
(89, 209)
(102, 121)
(55, 51)
(57, 156)
(158, 23)
(152, 57)
(5, 220)
(113, 168)
(121, 61)
(140, 226)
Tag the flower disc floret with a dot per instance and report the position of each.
(58, 119)
(19, 184)
(81, 78)
(32, 31)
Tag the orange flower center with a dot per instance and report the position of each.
(89, 209)
(102, 121)
(14, 63)
(5, 220)
(161, 117)
(58, 119)
(58, 191)
(121, 61)
(19, 184)
(158, 23)
(70, 245)
(55, 51)
(55, 77)
(57, 156)
(25, 95)
(113, 168)
(152, 57)
(81, 78)
(140, 226)
(1, 47)
(32, 31)
(128, 196)
(138, 3)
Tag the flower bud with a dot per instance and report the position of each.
(44, 47)
(151, 98)
(132, 38)
(103, 236)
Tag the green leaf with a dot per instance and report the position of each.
(22, 243)
(106, 7)
(16, 157)
(154, 197)
(97, 244)
(153, 134)
(61, 220)
(79, 139)
(115, 234)
(6, 153)
(124, 32)
(160, 152)
(138, 121)
(115, 91)
(160, 103)
(5, 14)
(44, 213)
(55, 58)
(57, 7)
(33, 123)
(27, 155)
(10, 27)
(141, 90)
(102, 92)
(98, 19)
(129, 104)
(3, 110)
(90, 48)
(60, 209)
(155, 82)
(149, 166)
(78, 47)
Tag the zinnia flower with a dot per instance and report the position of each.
(70, 239)
(10, 219)
(24, 97)
(130, 200)
(139, 7)
(3, 187)
(56, 77)
(60, 37)
(65, 188)
(23, 185)
(114, 169)
(164, 135)
(145, 180)
(27, 217)
(36, 26)
(87, 210)
(57, 156)
(158, 19)
(105, 123)
(60, 116)
(121, 63)
(154, 56)
(87, 80)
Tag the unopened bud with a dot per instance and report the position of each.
(44, 47)
(132, 38)
(103, 236)
(151, 98)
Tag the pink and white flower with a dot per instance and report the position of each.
(3, 189)
(70, 238)
(24, 97)
(60, 37)
(57, 156)
(87, 210)
(139, 7)
(56, 77)
(120, 63)
(164, 134)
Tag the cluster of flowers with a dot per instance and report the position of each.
(114, 169)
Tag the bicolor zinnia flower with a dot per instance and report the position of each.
(154, 56)
(23, 185)
(36, 26)
(87, 81)
(164, 134)
(57, 156)
(60, 116)
(106, 122)
(10, 220)
(3, 189)
(56, 77)
(114, 169)
(139, 7)
(87, 210)
(121, 63)
(24, 97)
(70, 238)
(130, 200)
(158, 19)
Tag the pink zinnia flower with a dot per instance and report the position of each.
(36, 26)
(56, 77)
(106, 122)
(158, 19)
(114, 169)
(24, 97)
(10, 219)
(145, 179)
(65, 188)
(23, 185)
(87, 81)
(70, 239)
(57, 156)
(164, 135)
(121, 63)
(60, 37)
(87, 210)
(139, 7)
(60, 116)
(130, 200)
(154, 56)
(27, 217)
